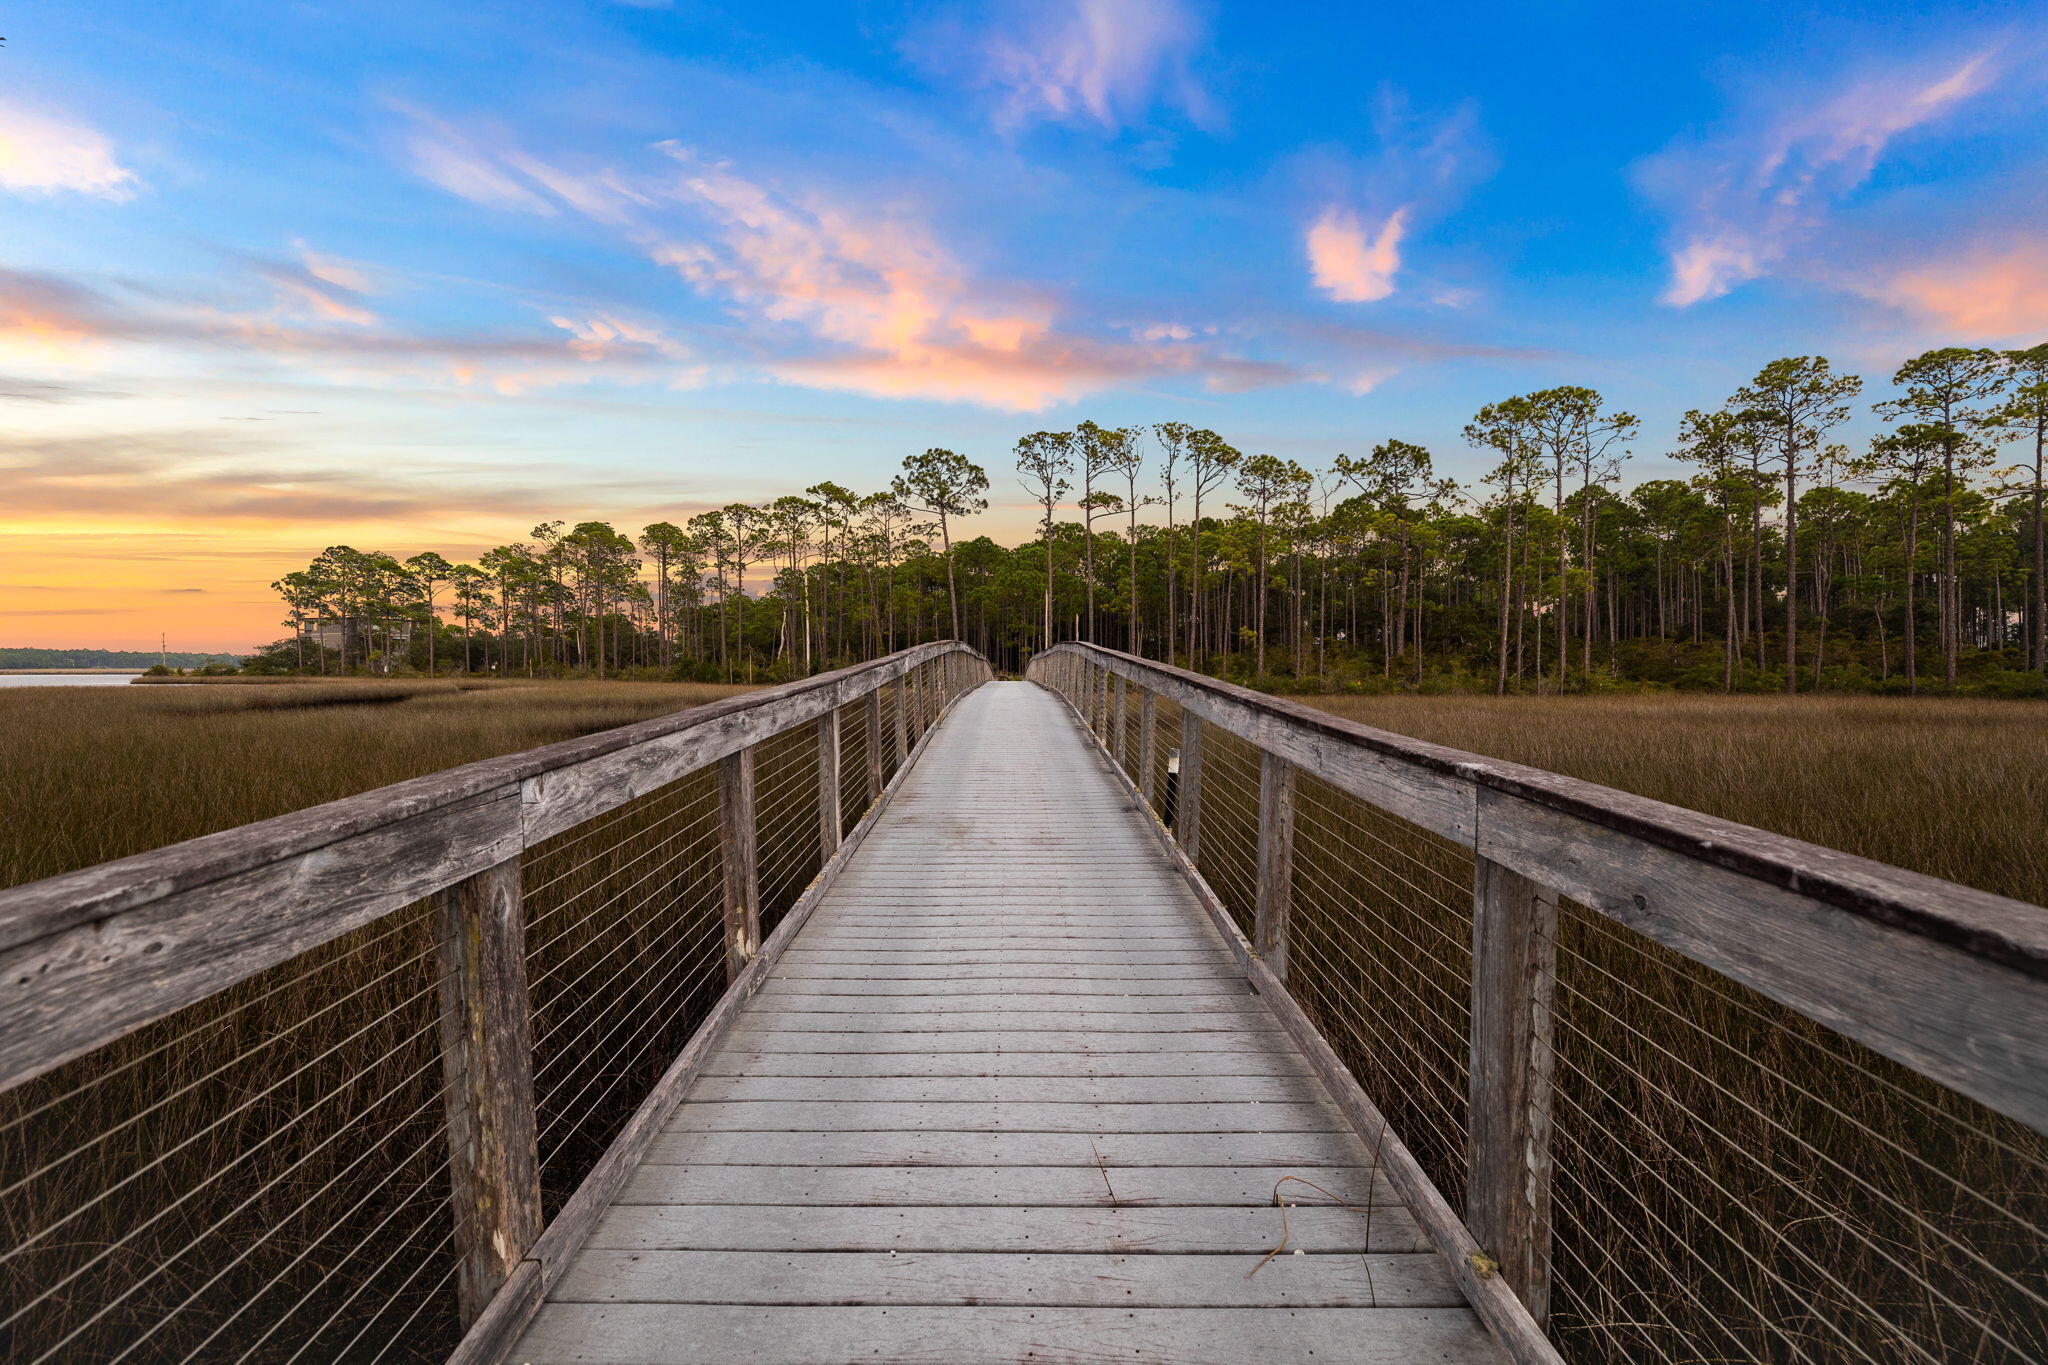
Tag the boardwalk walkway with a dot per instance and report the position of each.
(1007, 1097)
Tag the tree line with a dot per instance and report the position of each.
(1786, 560)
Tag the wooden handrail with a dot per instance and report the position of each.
(89, 956)
(92, 956)
(1948, 980)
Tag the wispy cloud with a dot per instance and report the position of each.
(49, 319)
(170, 476)
(904, 316)
(1745, 199)
(1349, 263)
(487, 165)
(42, 153)
(1105, 63)
(837, 293)
(325, 286)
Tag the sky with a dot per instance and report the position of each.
(420, 275)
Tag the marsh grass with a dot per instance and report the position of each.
(263, 1176)
(90, 774)
(1733, 1181)
(1954, 788)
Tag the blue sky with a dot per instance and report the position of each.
(416, 275)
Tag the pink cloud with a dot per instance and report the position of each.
(1991, 294)
(906, 318)
(1742, 203)
(41, 153)
(1350, 264)
(859, 297)
(1369, 203)
(325, 286)
(1100, 62)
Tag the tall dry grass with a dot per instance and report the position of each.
(88, 774)
(1957, 789)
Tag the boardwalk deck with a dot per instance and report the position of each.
(1006, 1097)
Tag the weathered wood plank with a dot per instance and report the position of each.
(1103, 1066)
(1514, 977)
(871, 719)
(83, 986)
(487, 1063)
(898, 989)
(1013, 1089)
(831, 820)
(770, 1116)
(1148, 749)
(1118, 730)
(667, 1334)
(1081, 1008)
(1073, 1280)
(1968, 1021)
(769, 1036)
(792, 1227)
(739, 856)
(1101, 1186)
(1057, 1020)
(1276, 861)
(1274, 1154)
(1187, 819)
(810, 969)
(1012, 957)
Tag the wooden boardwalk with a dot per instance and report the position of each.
(1006, 1097)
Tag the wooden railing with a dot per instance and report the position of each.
(355, 1082)
(1702, 1092)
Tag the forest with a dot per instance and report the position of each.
(1786, 561)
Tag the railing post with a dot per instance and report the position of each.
(1148, 747)
(740, 856)
(1187, 814)
(1276, 861)
(830, 821)
(902, 709)
(871, 715)
(487, 1062)
(1119, 702)
(1514, 977)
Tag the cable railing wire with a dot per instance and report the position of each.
(265, 1175)
(1733, 1180)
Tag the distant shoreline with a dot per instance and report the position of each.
(10, 672)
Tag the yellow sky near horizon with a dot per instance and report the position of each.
(206, 589)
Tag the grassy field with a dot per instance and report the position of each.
(98, 773)
(1954, 788)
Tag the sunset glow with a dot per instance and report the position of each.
(420, 276)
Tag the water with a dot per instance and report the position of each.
(68, 679)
